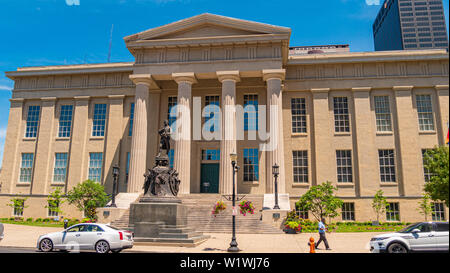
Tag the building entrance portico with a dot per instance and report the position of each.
(219, 60)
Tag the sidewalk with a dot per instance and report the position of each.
(26, 236)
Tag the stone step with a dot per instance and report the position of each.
(180, 235)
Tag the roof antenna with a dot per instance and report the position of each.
(110, 43)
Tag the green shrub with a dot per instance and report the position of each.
(38, 220)
(29, 220)
(12, 219)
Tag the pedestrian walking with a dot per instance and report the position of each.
(322, 231)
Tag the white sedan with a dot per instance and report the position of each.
(425, 236)
(99, 237)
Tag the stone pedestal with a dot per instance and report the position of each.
(162, 221)
(274, 217)
(109, 214)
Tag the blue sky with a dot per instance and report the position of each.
(51, 32)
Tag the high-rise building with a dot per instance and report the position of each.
(409, 25)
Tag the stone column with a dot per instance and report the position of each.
(228, 129)
(407, 149)
(274, 78)
(42, 178)
(442, 110)
(11, 156)
(80, 135)
(182, 154)
(366, 156)
(138, 156)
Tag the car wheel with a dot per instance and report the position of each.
(397, 248)
(102, 247)
(116, 250)
(46, 245)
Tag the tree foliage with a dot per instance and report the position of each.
(55, 200)
(18, 204)
(425, 206)
(321, 201)
(379, 203)
(87, 197)
(436, 162)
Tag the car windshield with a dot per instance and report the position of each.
(409, 228)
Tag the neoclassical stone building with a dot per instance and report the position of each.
(359, 120)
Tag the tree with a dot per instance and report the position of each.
(320, 201)
(87, 197)
(55, 200)
(379, 204)
(425, 206)
(18, 204)
(436, 162)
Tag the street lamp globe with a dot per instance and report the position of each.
(116, 170)
(275, 169)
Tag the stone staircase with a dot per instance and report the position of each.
(200, 218)
(199, 215)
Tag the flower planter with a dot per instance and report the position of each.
(291, 231)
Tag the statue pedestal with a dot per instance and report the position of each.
(162, 221)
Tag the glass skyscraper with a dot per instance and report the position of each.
(410, 25)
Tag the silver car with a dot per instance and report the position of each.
(425, 236)
(1, 231)
(99, 237)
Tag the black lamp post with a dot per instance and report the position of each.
(115, 172)
(275, 172)
(233, 245)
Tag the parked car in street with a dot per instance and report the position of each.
(2, 229)
(424, 236)
(87, 236)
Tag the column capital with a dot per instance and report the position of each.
(441, 87)
(273, 74)
(17, 100)
(228, 75)
(320, 90)
(184, 77)
(81, 98)
(403, 88)
(361, 89)
(145, 79)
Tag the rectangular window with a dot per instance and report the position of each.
(60, 169)
(303, 214)
(250, 112)
(65, 121)
(210, 154)
(171, 157)
(300, 165)
(32, 120)
(130, 131)
(251, 165)
(341, 115)
(383, 114)
(425, 112)
(393, 212)
(344, 165)
(387, 165)
(438, 213)
(172, 102)
(127, 168)
(212, 104)
(348, 212)
(26, 167)
(426, 173)
(99, 120)
(95, 166)
(298, 112)
(19, 207)
(52, 210)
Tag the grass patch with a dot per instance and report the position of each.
(30, 223)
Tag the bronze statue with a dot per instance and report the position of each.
(161, 180)
(164, 143)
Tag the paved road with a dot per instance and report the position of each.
(17, 250)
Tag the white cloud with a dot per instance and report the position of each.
(2, 133)
(5, 87)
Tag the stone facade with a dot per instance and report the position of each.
(209, 56)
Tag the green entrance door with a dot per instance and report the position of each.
(210, 178)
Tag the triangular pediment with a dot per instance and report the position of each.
(207, 25)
